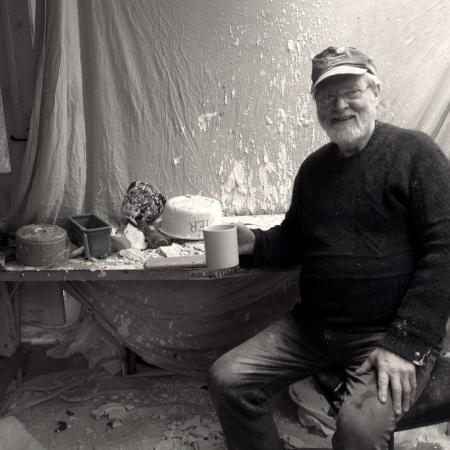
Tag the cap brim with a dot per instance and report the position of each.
(339, 70)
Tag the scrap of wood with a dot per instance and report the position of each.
(151, 372)
(172, 262)
(53, 395)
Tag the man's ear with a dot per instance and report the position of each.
(376, 90)
(376, 94)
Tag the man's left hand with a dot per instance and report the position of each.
(395, 371)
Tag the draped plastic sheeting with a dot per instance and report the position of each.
(208, 96)
(183, 326)
(8, 330)
(5, 163)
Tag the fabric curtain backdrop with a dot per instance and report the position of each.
(183, 326)
(5, 163)
(208, 97)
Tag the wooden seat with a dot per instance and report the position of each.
(431, 408)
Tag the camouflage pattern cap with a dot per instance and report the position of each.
(339, 61)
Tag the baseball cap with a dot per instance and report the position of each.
(338, 61)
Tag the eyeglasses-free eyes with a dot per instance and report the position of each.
(348, 95)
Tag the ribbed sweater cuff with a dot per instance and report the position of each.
(258, 251)
(407, 346)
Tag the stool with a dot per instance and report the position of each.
(432, 407)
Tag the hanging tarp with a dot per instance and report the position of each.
(9, 339)
(184, 325)
(208, 97)
(5, 163)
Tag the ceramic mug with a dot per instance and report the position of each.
(221, 246)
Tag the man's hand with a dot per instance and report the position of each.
(246, 239)
(395, 371)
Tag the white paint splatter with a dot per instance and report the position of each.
(123, 327)
(283, 86)
(204, 119)
(281, 115)
(282, 160)
(235, 190)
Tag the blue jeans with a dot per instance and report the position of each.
(242, 381)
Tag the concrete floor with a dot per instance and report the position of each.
(136, 412)
(144, 411)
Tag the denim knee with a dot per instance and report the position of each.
(223, 375)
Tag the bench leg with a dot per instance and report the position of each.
(15, 293)
(130, 361)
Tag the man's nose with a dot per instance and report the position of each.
(340, 102)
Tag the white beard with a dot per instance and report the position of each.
(349, 134)
(345, 135)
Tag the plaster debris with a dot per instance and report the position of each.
(196, 433)
(112, 410)
(181, 250)
(196, 246)
(133, 255)
(135, 236)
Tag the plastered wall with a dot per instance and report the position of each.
(211, 97)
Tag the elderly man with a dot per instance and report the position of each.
(369, 223)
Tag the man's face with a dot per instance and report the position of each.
(348, 122)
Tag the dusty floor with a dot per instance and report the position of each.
(136, 412)
(94, 410)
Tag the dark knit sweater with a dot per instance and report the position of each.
(372, 235)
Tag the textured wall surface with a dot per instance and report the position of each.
(210, 97)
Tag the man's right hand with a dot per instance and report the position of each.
(246, 239)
